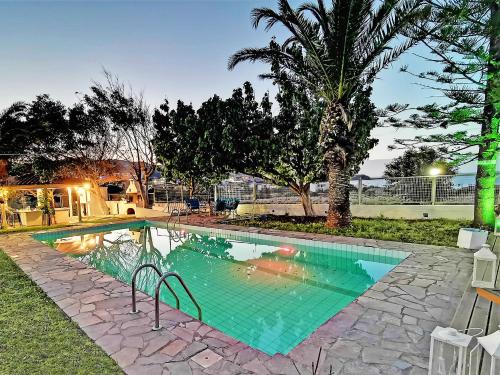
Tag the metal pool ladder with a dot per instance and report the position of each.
(163, 280)
(176, 211)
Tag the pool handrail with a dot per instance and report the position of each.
(165, 276)
(178, 212)
(134, 276)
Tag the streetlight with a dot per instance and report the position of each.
(434, 172)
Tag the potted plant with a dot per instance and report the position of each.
(46, 205)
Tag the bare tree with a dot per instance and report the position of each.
(130, 119)
(94, 156)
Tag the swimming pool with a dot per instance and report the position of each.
(269, 292)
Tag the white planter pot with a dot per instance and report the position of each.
(471, 238)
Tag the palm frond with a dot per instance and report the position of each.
(334, 49)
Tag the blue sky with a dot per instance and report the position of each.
(167, 49)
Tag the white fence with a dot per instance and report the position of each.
(423, 190)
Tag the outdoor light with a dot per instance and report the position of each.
(435, 171)
(86, 185)
(448, 355)
(484, 272)
(491, 345)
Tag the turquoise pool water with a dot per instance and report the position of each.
(268, 292)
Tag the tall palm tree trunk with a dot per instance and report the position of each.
(334, 129)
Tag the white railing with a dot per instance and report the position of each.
(425, 190)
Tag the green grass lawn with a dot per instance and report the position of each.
(430, 232)
(35, 335)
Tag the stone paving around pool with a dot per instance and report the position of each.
(385, 331)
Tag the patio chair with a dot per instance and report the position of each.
(232, 206)
(193, 204)
(13, 218)
(220, 205)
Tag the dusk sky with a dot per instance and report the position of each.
(166, 49)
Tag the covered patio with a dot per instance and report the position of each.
(27, 201)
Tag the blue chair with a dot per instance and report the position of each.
(220, 205)
(232, 206)
(193, 204)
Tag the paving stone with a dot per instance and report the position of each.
(346, 349)
(358, 368)
(371, 327)
(97, 330)
(422, 282)
(190, 350)
(215, 343)
(416, 291)
(389, 318)
(395, 333)
(174, 347)
(158, 358)
(256, 366)
(126, 356)
(410, 320)
(135, 323)
(156, 344)
(183, 333)
(203, 330)
(279, 364)
(245, 356)
(403, 302)
(378, 355)
(206, 358)
(179, 368)
(110, 343)
(134, 342)
(94, 298)
(380, 305)
(142, 369)
(402, 365)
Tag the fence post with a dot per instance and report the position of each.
(360, 190)
(433, 190)
(254, 198)
(166, 193)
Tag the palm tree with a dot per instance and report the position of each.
(336, 52)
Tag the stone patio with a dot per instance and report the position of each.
(384, 331)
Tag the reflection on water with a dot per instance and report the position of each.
(268, 295)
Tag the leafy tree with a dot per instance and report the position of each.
(189, 143)
(36, 136)
(283, 148)
(336, 52)
(463, 37)
(295, 159)
(417, 162)
(247, 130)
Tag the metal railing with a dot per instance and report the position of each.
(164, 277)
(456, 189)
(134, 277)
(162, 280)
